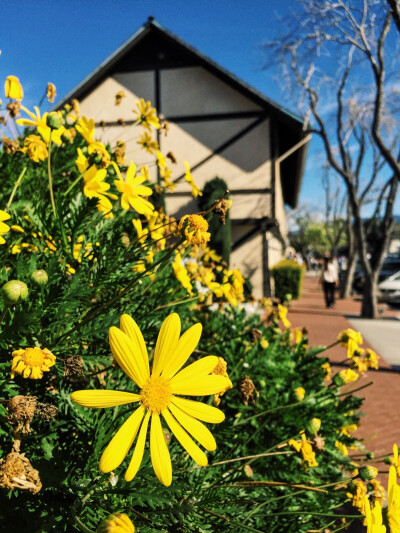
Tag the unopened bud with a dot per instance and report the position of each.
(116, 523)
(40, 277)
(54, 120)
(368, 472)
(314, 425)
(167, 436)
(14, 292)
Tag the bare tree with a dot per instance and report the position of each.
(335, 51)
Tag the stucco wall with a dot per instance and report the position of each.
(245, 164)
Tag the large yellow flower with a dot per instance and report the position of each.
(4, 228)
(132, 190)
(158, 396)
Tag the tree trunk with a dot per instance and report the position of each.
(346, 286)
(369, 307)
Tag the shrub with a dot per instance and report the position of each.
(288, 279)
(221, 239)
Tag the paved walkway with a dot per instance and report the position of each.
(381, 426)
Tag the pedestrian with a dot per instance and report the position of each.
(329, 279)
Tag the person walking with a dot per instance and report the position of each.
(329, 279)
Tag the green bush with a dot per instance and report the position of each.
(288, 279)
(221, 239)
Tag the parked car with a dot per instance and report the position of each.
(390, 267)
(390, 289)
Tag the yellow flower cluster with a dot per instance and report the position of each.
(361, 360)
(32, 362)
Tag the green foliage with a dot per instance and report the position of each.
(95, 274)
(288, 279)
(221, 239)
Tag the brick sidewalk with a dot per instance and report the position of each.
(381, 426)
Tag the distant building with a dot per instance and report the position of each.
(219, 124)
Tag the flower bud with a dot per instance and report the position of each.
(54, 120)
(368, 472)
(116, 523)
(14, 292)
(40, 277)
(314, 425)
(299, 393)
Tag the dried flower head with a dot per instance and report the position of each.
(10, 146)
(319, 442)
(16, 472)
(221, 208)
(172, 158)
(73, 366)
(255, 335)
(119, 97)
(248, 391)
(13, 108)
(20, 411)
(46, 411)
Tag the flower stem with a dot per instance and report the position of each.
(3, 314)
(73, 185)
(53, 205)
(17, 183)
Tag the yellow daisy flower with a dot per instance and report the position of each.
(35, 148)
(146, 114)
(147, 142)
(194, 229)
(4, 228)
(158, 397)
(132, 190)
(32, 362)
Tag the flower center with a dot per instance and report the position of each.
(156, 394)
(33, 357)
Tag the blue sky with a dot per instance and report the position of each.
(63, 40)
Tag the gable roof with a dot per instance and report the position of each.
(155, 45)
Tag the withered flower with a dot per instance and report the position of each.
(16, 472)
(248, 391)
(20, 412)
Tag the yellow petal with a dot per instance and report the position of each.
(199, 410)
(130, 328)
(200, 385)
(202, 367)
(186, 344)
(120, 444)
(160, 457)
(190, 446)
(138, 451)
(194, 428)
(130, 361)
(103, 398)
(166, 342)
